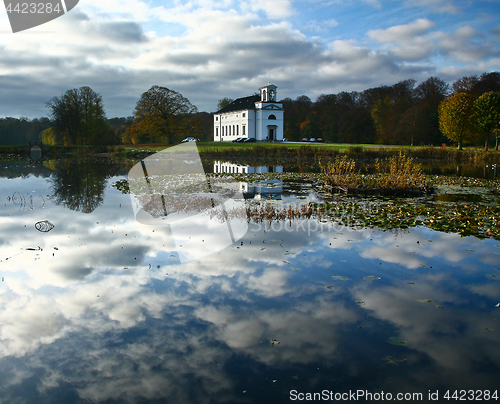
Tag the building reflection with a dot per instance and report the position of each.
(259, 190)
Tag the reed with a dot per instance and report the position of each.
(394, 175)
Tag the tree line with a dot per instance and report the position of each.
(404, 113)
(77, 117)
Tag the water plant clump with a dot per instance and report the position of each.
(396, 175)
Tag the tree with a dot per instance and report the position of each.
(78, 117)
(455, 117)
(381, 115)
(224, 102)
(467, 84)
(430, 93)
(487, 115)
(162, 114)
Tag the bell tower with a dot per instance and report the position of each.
(268, 93)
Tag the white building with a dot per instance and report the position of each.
(256, 116)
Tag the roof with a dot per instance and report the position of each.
(240, 104)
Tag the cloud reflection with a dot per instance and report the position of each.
(104, 307)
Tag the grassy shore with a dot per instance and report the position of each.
(281, 153)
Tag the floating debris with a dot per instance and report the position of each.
(361, 303)
(340, 278)
(425, 301)
(371, 277)
(296, 269)
(44, 226)
(274, 342)
(394, 361)
(329, 287)
(395, 341)
(498, 305)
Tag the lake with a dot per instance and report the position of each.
(104, 300)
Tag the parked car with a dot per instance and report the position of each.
(285, 139)
(250, 140)
(312, 139)
(188, 139)
(319, 140)
(304, 139)
(237, 140)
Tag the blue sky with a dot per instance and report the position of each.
(208, 50)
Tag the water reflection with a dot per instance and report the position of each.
(79, 183)
(101, 308)
(204, 215)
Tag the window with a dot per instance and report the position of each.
(216, 118)
(216, 131)
(271, 117)
(237, 130)
(243, 130)
(244, 114)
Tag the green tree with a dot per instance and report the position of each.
(162, 115)
(78, 117)
(381, 115)
(487, 115)
(224, 102)
(456, 117)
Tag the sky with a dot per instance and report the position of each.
(208, 50)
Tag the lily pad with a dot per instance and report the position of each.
(396, 341)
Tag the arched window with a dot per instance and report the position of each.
(272, 117)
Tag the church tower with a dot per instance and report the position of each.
(269, 115)
(268, 93)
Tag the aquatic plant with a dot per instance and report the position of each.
(399, 175)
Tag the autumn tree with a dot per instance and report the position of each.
(455, 117)
(78, 117)
(162, 115)
(487, 115)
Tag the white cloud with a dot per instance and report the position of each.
(402, 33)
(207, 50)
(441, 6)
(323, 26)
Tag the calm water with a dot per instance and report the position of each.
(100, 309)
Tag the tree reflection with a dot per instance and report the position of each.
(80, 183)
